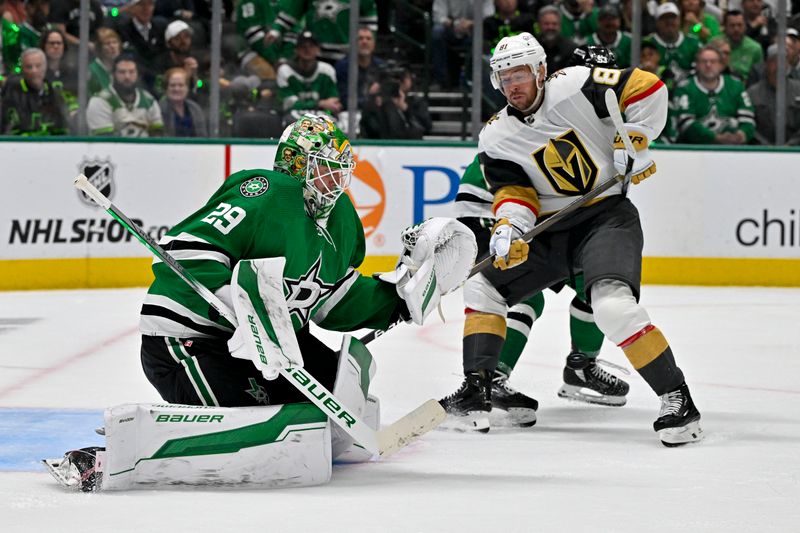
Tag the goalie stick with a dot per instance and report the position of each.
(383, 442)
(616, 118)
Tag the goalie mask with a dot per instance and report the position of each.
(317, 154)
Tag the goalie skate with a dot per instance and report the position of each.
(468, 408)
(521, 409)
(77, 469)
(585, 381)
(678, 421)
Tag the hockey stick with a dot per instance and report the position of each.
(612, 105)
(383, 442)
(616, 118)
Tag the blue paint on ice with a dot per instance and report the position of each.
(29, 435)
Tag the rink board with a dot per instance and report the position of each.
(705, 222)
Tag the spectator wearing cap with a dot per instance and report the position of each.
(108, 46)
(143, 37)
(557, 47)
(31, 106)
(650, 61)
(307, 84)
(187, 11)
(124, 109)
(711, 107)
(182, 117)
(745, 52)
(179, 53)
(66, 16)
(369, 68)
(677, 50)
(763, 97)
(608, 34)
(695, 21)
(507, 20)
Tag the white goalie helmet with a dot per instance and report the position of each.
(517, 50)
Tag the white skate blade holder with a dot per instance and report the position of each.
(672, 437)
(587, 395)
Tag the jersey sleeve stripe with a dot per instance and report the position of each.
(639, 86)
(525, 196)
(156, 320)
(339, 291)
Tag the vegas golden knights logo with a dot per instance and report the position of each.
(567, 165)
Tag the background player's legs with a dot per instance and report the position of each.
(520, 318)
(584, 380)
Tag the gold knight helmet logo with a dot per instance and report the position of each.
(567, 165)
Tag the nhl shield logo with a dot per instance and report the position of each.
(100, 173)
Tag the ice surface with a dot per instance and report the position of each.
(65, 355)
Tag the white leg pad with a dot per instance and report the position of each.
(356, 453)
(151, 446)
(480, 295)
(353, 376)
(616, 311)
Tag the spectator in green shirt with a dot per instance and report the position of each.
(711, 107)
(698, 22)
(745, 52)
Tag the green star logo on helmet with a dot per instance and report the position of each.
(255, 186)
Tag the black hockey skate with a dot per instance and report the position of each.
(77, 469)
(471, 404)
(521, 409)
(585, 381)
(678, 421)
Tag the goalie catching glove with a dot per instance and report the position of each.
(438, 256)
(643, 165)
(506, 245)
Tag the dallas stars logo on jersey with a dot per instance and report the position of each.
(304, 292)
(567, 165)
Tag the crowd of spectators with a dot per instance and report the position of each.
(149, 66)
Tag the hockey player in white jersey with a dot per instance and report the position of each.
(552, 143)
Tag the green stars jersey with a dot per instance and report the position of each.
(258, 214)
(473, 198)
(328, 20)
(108, 114)
(578, 27)
(621, 46)
(301, 92)
(253, 20)
(702, 113)
(678, 56)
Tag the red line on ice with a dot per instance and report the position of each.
(44, 372)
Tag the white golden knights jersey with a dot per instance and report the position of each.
(565, 149)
